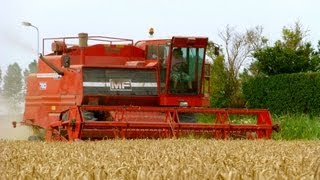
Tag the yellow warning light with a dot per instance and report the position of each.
(53, 108)
(151, 31)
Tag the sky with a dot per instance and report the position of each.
(133, 18)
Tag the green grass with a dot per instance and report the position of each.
(297, 127)
(235, 119)
(205, 118)
(293, 127)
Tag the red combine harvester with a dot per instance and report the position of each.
(120, 89)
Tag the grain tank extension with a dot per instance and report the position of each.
(97, 87)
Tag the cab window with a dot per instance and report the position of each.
(152, 52)
(186, 70)
(160, 53)
(157, 52)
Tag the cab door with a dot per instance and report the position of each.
(185, 74)
(184, 83)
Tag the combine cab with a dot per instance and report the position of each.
(105, 87)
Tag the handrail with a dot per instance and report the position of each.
(107, 39)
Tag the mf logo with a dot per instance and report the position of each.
(120, 85)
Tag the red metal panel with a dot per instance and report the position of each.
(156, 122)
(187, 41)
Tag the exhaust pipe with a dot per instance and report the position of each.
(83, 40)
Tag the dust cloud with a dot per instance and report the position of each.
(7, 115)
(11, 38)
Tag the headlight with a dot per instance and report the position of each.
(183, 104)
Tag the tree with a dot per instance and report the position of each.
(240, 46)
(238, 52)
(251, 72)
(289, 55)
(32, 68)
(12, 87)
(218, 81)
(212, 50)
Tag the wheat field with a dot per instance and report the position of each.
(160, 159)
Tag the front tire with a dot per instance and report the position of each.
(34, 138)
